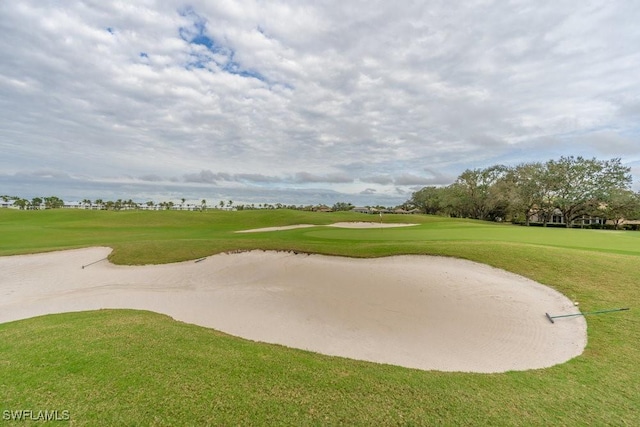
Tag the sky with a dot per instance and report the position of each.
(307, 102)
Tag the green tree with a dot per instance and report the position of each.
(53, 202)
(528, 189)
(621, 204)
(21, 203)
(478, 196)
(342, 206)
(36, 202)
(579, 183)
(428, 199)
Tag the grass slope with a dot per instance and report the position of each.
(139, 368)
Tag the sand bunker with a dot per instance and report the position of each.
(429, 313)
(369, 225)
(337, 224)
(285, 227)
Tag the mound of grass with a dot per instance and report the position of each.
(129, 367)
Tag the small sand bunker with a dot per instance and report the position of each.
(369, 225)
(430, 313)
(337, 224)
(286, 227)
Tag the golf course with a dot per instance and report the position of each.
(139, 367)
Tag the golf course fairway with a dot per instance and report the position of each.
(121, 366)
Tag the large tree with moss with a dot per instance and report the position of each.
(579, 183)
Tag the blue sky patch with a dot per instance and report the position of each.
(223, 56)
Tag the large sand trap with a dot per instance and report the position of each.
(414, 311)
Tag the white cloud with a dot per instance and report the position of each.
(351, 97)
(305, 177)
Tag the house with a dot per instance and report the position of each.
(401, 211)
(556, 217)
(361, 209)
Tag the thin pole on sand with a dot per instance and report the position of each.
(550, 317)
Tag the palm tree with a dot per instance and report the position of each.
(21, 203)
(36, 202)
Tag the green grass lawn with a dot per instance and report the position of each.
(125, 367)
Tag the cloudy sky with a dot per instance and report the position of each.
(306, 101)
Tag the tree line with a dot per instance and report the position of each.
(51, 202)
(573, 187)
(54, 202)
